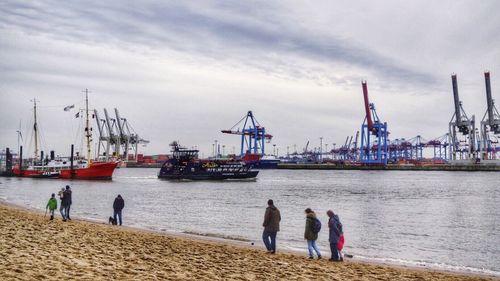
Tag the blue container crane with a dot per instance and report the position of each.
(253, 135)
(373, 149)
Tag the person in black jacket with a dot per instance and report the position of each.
(67, 201)
(118, 206)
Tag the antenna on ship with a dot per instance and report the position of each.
(88, 131)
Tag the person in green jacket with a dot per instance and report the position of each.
(52, 205)
(311, 233)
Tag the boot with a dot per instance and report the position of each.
(51, 217)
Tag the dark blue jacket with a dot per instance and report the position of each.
(119, 204)
(335, 228)
(66, 200)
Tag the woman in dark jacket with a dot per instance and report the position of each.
(334, 235)
(310, 235)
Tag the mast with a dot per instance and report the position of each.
(35, 129)
(88, 131)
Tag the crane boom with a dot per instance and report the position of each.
(367, 106)
(456, 99)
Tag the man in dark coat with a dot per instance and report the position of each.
(271, 226)
(118, 206)
(67, 201)
(335, 230)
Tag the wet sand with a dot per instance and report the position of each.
(34, 248)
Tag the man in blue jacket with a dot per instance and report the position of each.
(335, 228)
(118, 206)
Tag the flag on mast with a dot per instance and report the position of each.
(67, 108)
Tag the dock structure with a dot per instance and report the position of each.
(393, 167)
(462, 144)
(116, 137)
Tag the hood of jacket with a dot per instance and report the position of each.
(311, 215)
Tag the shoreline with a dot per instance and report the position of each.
(252, 253)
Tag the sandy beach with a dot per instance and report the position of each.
(34, 248)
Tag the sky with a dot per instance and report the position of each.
(184, 70)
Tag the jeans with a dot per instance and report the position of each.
(62, 209)
(51, 212)
(311, 245)
(119, 214)
(66, 210)
(335, 252)
(269, 238)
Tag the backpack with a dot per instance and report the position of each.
(316, 227)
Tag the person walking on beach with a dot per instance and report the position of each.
(335, 231)
(68, 199)
(62, 208)
(52, 206)
(271, 226)
(118, 206)
(313, 226)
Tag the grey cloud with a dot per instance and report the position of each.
(242, 32)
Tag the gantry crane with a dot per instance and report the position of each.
(117, 133)
(464, 148)
(372, 151)
(253, 135)
(490, 124)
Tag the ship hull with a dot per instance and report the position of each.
(265, 164)
(210, 176)
(96, 171)
(40, 174)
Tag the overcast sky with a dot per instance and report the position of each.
(184, 70)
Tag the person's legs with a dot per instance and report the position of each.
(120, 216)
(273, 241)
(67, 212)
(51, 214)
(335, 252)
(313, 244)
(265, 238)
(310, 247)
(61, 209)
(115, 214)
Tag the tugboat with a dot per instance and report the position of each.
(184, 164)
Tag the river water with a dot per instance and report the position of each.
(447, 220)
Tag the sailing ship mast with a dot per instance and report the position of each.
(35, 129)
(88, 130)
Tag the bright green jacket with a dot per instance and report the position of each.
(52, 205)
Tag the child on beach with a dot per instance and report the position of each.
(61, 196)
(52, 205)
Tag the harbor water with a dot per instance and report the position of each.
(446, 220)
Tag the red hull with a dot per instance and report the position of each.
(33, 173)
(96, 171)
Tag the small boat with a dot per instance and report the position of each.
(184, 164)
